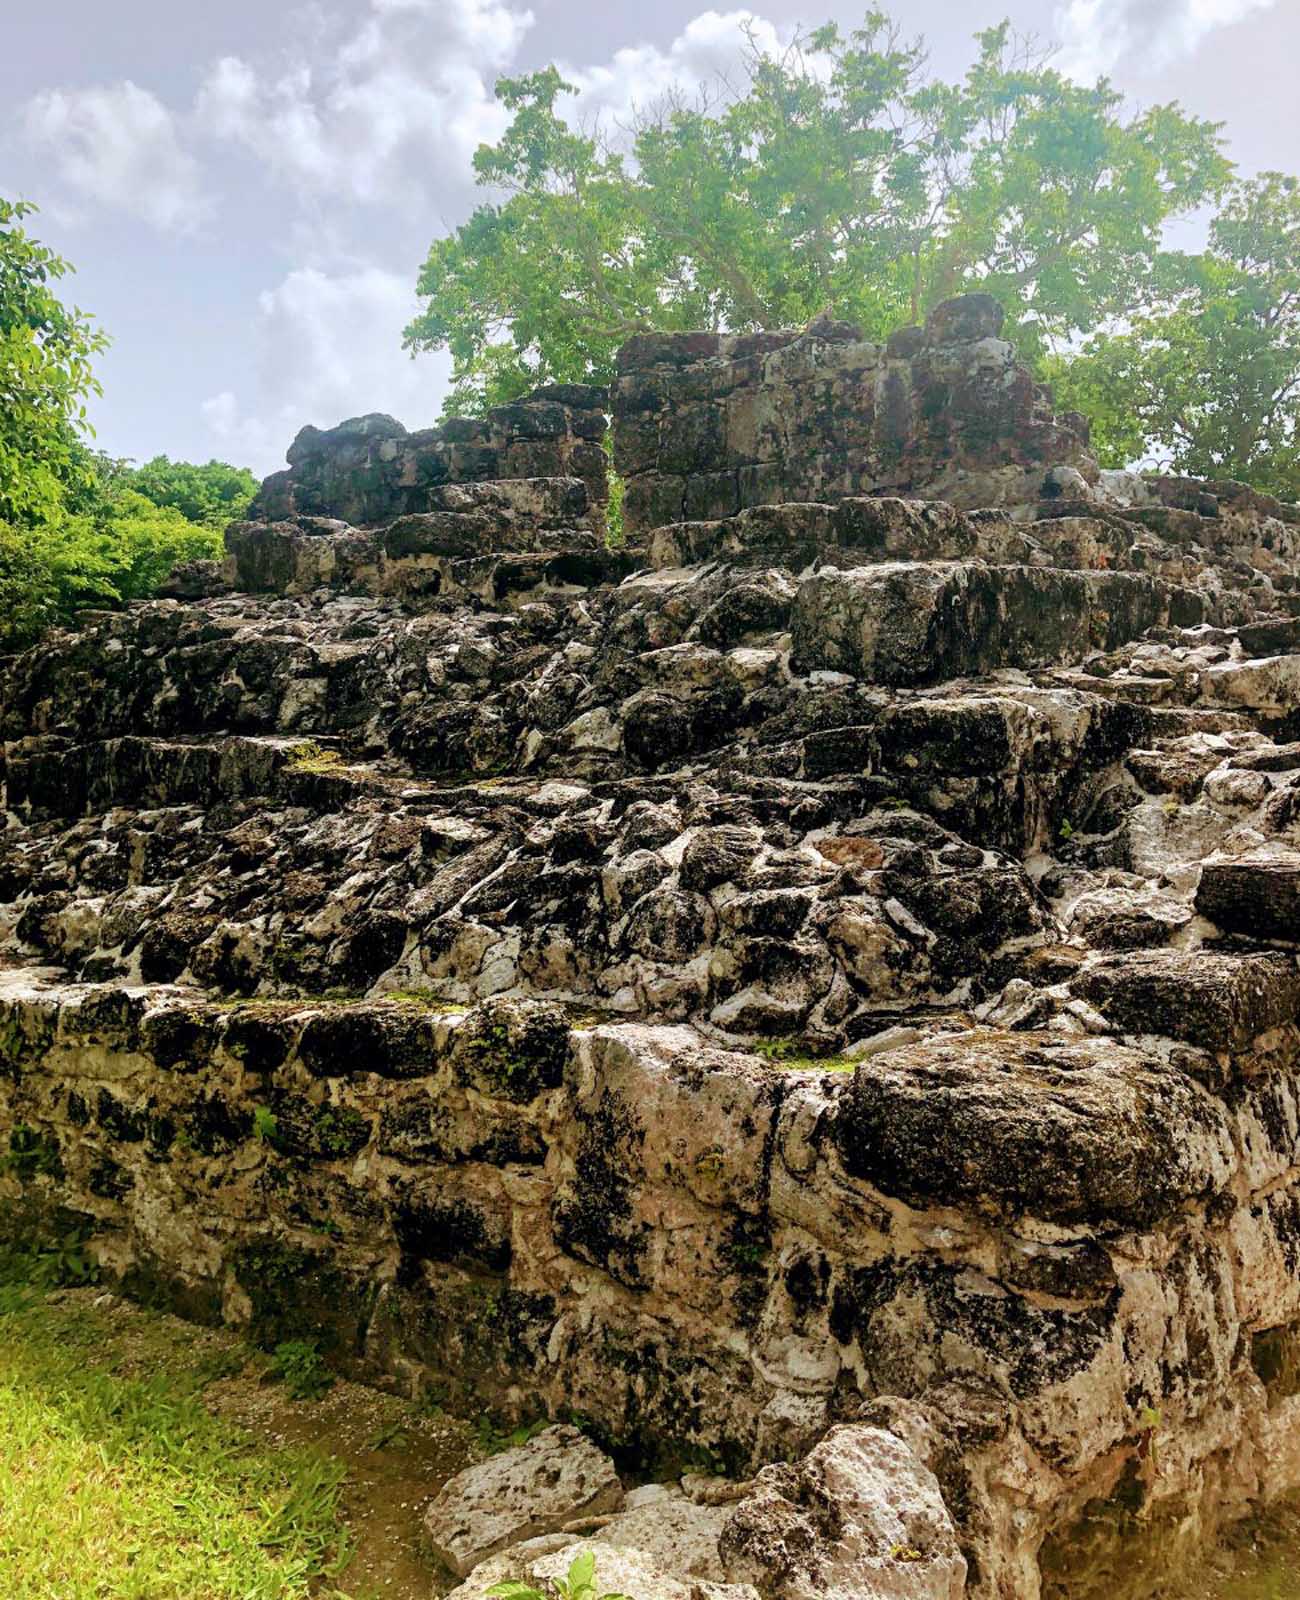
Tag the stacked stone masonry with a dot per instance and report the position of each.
(370, 470)
(815, 989)
(707, 425)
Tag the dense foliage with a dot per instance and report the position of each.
(46, 351)
(837, 176)
(77, 528)
(213, 494)
(1205, 379)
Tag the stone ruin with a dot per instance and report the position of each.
(811, 992)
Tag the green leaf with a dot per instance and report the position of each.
(581, 1572)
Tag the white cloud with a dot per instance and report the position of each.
(711, 46)
(328, 347)
(383, 105)
(398, 107)
(1098, 35)
(383, 108)
(118, 147)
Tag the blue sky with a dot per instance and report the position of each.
(248, 189)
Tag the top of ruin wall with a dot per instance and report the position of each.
(708, 424)
(370, 469)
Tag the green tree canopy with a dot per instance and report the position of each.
(46, 352)
(836, 176)
(214, 494)
(76, 527)
(1205, 379)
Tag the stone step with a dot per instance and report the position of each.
(45, 779)
(863, 530)
(1268, 686)
(1256, 894)
(1216, 1000)
(416, 559)
(486, 541)
(754, 917)
(907, 624)
(795, 534)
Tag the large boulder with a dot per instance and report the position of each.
(859, 1518)
(536, 1488)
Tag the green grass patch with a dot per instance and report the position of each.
(311, 757)
(117, 1483)
(794, 1056)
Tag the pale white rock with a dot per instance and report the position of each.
(1227, 787)
(595, 730)
(1271, 685)
(651, 1494)
(635, 1573)
(680, 1534)
(707, 1490)
(859, 1518)
(536, 1488)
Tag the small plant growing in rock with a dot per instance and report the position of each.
(264, 1124)
(312, 757)
(579, 1583)
(298, 1364)
(1149, 1427)
(32, 1154)
(64, 1263)
(493, 1440)
(796, 1057)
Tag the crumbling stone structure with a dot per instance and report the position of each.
(815, 988)
(370, 470)
(709, 424)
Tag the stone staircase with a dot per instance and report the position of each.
(834, 963)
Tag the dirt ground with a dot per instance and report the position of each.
(396, 1454)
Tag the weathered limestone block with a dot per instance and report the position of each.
(1258, 894)
(912, 624)
(1270, 686)
(1074, 1133)
(1216, 1001)
(706, 425)
(676, 1531)
(858, 1516)
(630, 1572)
(370, 470)
(534, 1488)
(851, 531)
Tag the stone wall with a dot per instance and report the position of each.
(832, 961)
(370, 469)
(1011, 1246)
(706, 424)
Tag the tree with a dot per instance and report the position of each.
(46, 351)
(118, 546)
(76, 527)
(837, 176)
(213, 494)
(1205, 379)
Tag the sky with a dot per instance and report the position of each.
(248, 190)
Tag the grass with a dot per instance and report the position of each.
(116, 1482)
(795, 1057)
(311, 757)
